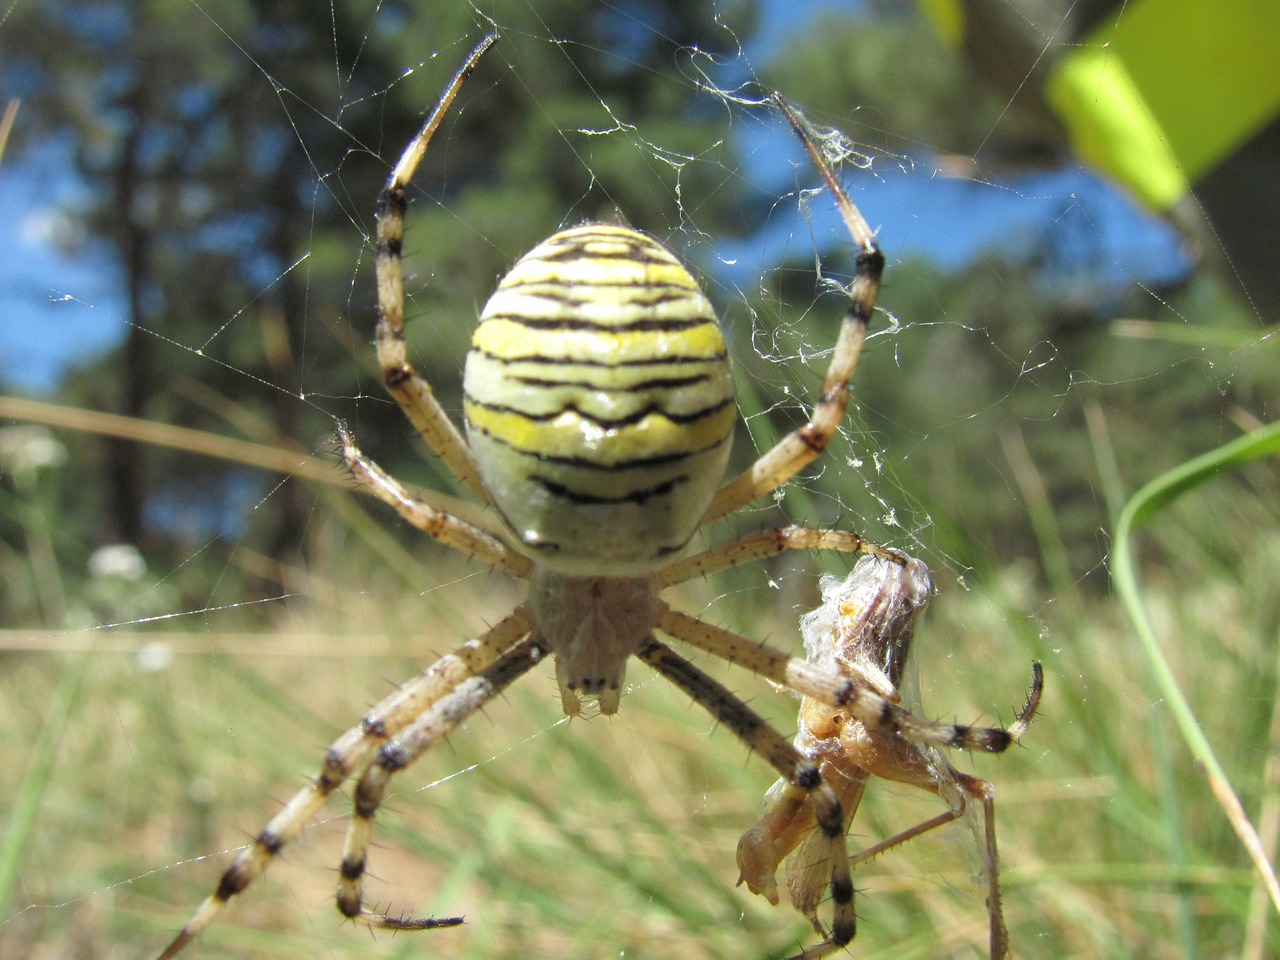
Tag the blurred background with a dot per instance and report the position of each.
(1077, 202)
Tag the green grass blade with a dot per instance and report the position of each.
(1142, 506)
(22, 818)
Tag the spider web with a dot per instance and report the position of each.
(158, 733)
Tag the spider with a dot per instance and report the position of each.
(599, 410)
(864, 630)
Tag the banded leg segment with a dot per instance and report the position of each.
(787, 824)
(349, 753)
(804, 876)
(802, 446)
(411, 391)
(767, 543)
(799, 772)
(876, 712)
(437, 524)
(397, 753)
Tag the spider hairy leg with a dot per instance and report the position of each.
(437, 524)
(801, 774)
(397, 753)
(410, 390)
(766, 543)
(802, 446)
(832, 689)
(347, 755)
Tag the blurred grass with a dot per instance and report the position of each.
(616, 837)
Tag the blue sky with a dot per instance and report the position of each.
(43, 262)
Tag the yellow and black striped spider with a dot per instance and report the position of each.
(864, 631)
(599, 410)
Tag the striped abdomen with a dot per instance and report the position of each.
(599, 401)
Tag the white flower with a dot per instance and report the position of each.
(26, 449)
(117, 560)
(154, 657)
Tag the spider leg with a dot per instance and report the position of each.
(397, 753)
(806, 869)
(789, 823)
(768, 543)
(802, 446)
(437, 524)
(801, 773)
(411, 391)
(348, 754)
(876, 712)
(970, 788)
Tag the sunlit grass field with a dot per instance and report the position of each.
(137, 759)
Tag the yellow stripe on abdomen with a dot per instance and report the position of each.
(599, 401)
